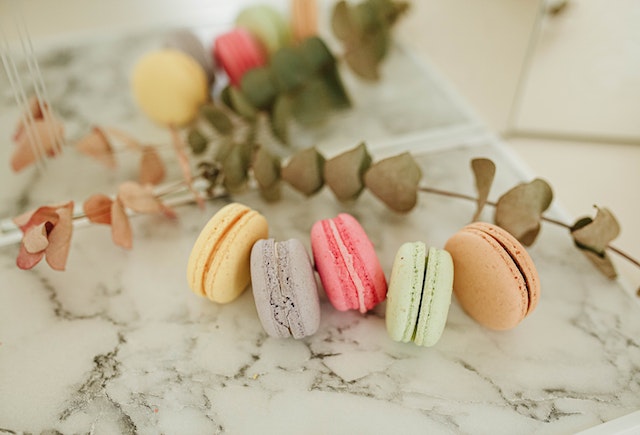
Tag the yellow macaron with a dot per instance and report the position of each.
(169, 86)
(219, 263)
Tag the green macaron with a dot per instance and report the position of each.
(419, 294)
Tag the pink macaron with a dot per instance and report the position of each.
(237, 52)
(347, 264)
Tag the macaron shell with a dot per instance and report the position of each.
(284, 288)
(519, 255)
(169, 86)
(405, 291)
(219, 262)
(347, 264)
(237, 52)
(436, 297)
(487, 282)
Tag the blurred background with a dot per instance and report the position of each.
(560, 81)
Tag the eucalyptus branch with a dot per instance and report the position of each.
(440, 192)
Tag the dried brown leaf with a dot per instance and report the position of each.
(395, 181)
(97, 208)
(120, 226)
(602, 263)
(304, 171)
(519, 211)
(96, 144)
(344, 173)
(484, 171)
(60, 238)
(152, 169)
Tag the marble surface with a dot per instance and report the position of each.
(118, 343)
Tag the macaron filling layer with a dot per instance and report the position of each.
(349, 258)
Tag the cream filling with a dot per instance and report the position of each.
(348, 261)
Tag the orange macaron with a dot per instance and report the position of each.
(495, 280)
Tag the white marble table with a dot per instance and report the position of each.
(118, 343)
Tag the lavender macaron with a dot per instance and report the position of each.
(284, 288)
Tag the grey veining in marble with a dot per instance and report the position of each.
(118, 343)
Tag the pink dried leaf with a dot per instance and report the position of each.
(120, 226)
(60, 238)
(41, 139)
(97, 208)
(96, 144)
(151, 166)
(26, 260)
(35, 217)
(35, 238)
(35, 111)
(138, 198)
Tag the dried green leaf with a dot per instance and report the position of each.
(218, 119)
(341, 21)
(280, 116)
(344, 173)
(312, 104)
(290, 69)
(235, 170)
(335, 89)
(363, 60)
(304, 171)
(595, 234)
(395, 181)
(592, 236)
(197, 141)
(519, 210)
(266, 171)
(316, 54)
(259, 86)
(484, 171)
(241, 105)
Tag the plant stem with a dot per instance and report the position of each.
(440, 192)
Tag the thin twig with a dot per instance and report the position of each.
(544, 218)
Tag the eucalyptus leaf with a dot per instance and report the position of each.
(363, 60)
(216, 117)
(234, 167)
(341, 21)
(519, 211)
(484, 170)
(241, 105)
(290, 69)
(304, 171)
(259, 86)
(280, 117)
(266, 171)
(592, 236)
(595, 234)
(316, 54)
(312, 104)
(335, 89)
(395, 181)
(197, 141)
(344, 173)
